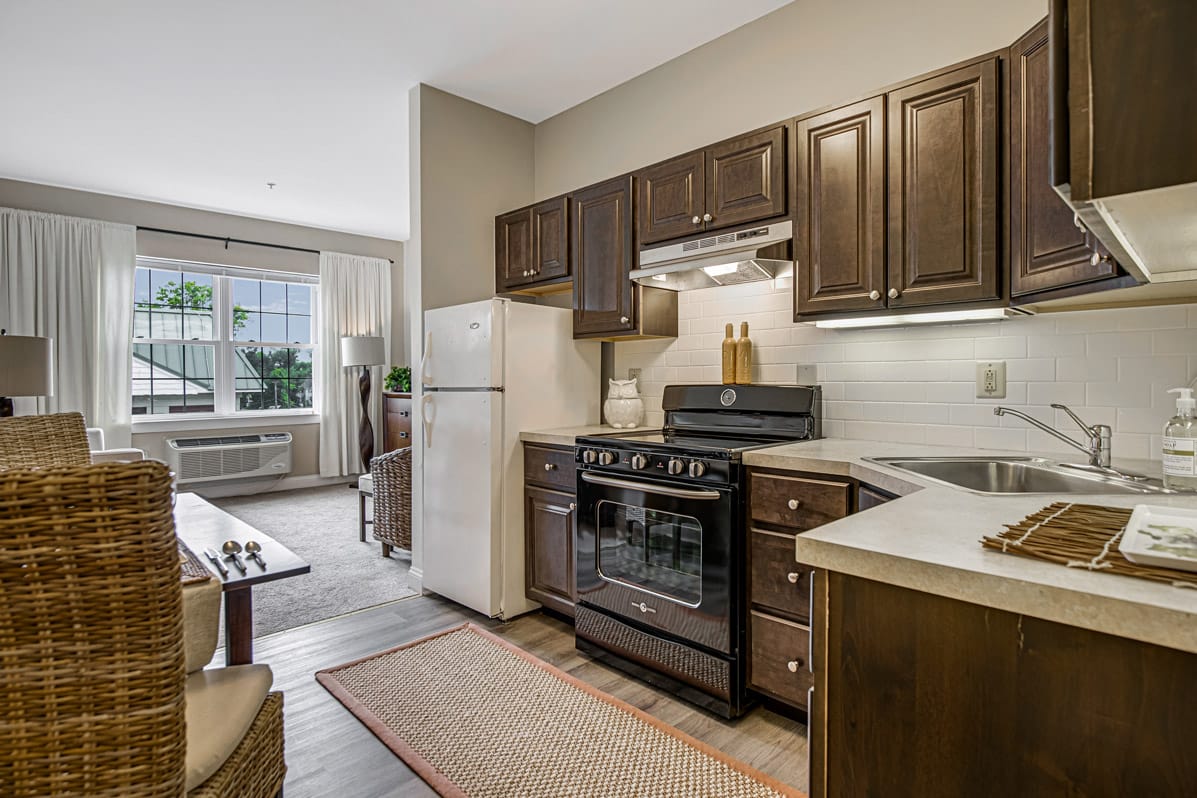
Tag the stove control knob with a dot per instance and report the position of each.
(639, 462)
(697, 469)
(675, 467)
(589, 456)
(606, 458)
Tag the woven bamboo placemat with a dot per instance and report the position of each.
(477, 717)
(193, 570)
(1080, 536)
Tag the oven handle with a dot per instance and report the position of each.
(648, 487)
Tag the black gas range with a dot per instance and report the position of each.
(661, 542)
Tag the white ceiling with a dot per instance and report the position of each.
(202, 103)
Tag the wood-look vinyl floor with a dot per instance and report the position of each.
(329, 753)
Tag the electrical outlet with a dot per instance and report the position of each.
(633, 374)
(991, 379)
(808, 374)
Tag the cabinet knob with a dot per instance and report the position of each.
(793, 577)
(706, 217)
(1097, 259)
(624, 319)
(793, 504)
(793, 665)
(874, 295)
(573, 506)
(696, 220)
(894, 293)
(550, 466)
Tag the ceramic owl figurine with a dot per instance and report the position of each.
(624, 408)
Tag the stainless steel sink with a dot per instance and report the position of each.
(1017, 475)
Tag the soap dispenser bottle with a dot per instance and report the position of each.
(1180, 437)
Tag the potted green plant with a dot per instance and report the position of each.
(399, 380)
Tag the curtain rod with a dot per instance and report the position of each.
(228, 240)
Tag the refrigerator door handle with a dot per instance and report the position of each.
(424, 378)
(426, 417)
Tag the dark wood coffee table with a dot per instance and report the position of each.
(201, 525)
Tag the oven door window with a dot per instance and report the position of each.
(654, 551)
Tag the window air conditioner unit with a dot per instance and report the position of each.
(229, 456)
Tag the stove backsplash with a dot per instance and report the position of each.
(916, 384)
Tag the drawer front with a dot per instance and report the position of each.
(797, 502)
(775, 580)
(778, 646)
(553, 467)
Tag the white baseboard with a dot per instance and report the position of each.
(250, 487)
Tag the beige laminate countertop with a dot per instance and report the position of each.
(929, 540)
(564, 436)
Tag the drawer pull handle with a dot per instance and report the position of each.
(573, 506)
(793, 665)
(550, 466)
(404, 435)
(793, 576)
(793, 504)
(404, 413)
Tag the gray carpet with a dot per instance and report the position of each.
(320, 525)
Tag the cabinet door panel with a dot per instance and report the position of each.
(513, 249)
(1047, 250)
(549, 542)
(942, 168)
(777, 646)
(746, 179)
(671, 197)
(601, 245)
(550, 239)
(839, 207)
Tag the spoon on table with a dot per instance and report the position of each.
(233, 549)
(254, 549)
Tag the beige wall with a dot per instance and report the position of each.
(803, 56)
(474, 163)
(50, 199)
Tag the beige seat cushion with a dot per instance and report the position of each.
(221, 705)
(365, 483)
(201, 622)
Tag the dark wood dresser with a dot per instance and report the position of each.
(396, 421)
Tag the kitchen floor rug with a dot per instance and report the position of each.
(478, 717)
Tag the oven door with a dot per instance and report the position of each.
(660, 554)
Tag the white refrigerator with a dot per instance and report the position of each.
(490, 370)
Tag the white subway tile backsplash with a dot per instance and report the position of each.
(917, 384)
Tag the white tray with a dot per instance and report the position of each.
(1163, 536)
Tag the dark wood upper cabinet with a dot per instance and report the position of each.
(1047, 249)
(550, 239)
(601, 236)
(839, 209)
(746, 179)
(943, 188)
(671, 198)
(513, 249)
(532, 249)
(734, 182)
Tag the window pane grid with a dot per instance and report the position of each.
(267, 338)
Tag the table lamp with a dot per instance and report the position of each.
(26, 368)
(364, 351)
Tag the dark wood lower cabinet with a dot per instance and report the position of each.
(396, 421)
(550, 518)
(920, 695)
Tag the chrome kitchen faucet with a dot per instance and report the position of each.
(1099, 434)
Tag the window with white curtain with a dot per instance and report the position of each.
(222, 340)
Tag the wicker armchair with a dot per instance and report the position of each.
(94, 698)
(58, 439)
(391, 473)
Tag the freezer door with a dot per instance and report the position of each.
(463, 554)
(463, 345)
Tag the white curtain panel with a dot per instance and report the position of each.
(355, 299)
(72, 280)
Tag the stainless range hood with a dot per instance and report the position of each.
(738, 256)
